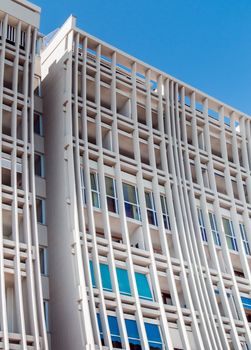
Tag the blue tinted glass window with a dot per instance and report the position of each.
(105, 276)
(132, 332)
(92, 274)
(143, 286)
(114, 329)
(246, 303)
(153, 336)
(124, 286)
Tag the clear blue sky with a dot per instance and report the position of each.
(206, 43)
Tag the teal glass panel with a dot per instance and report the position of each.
(105, 277)
(123, 280)
(143, 286)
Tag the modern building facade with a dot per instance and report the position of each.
(129, 188)
(22, 294)
(148, 206)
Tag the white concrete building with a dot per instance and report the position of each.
(22, 292)
(143, 183)
(149, 204)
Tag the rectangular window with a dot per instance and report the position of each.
(151, 211)
(95, 190)
(38, 124)
(114, 331)
(245, 239)
(46, 315)
(153, 336)
(132, 332)
(143, 286)
(82, 184)
(39, 164)
(165, 212)
(123, 281)
(105, 277)
(230, 235)
(43, 257)
(111, 194)
(202, 225)
(131, 201)
(40, 206)
(214, 229)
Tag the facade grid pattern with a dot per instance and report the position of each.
(179, 161)
(144, 186)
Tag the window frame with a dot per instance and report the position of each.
(202, 226)
(232, 237)
(129, 293)
(135, 340)
(114, 337)
(152, 209)
(43, 208)
(115, 197)
(38, 88)
(165, 214)
(145, 275)
(82, 185)
(42, 165)
(46, 315)
(43, 259)
(95, 191)
(134, 205)
(156, 344)
(104, 268)
(40, 123)
(245, 238)
(214, 228)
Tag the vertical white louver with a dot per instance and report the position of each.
(1, 28)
